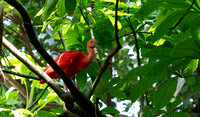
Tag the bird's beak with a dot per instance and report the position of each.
(97, 46)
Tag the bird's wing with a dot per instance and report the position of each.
(67, 59)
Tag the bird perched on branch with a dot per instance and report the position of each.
(72, 62)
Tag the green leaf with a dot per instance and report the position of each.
(195, 28)
(45, 114)
(173, 105)
(57, 110)
(138, 71)
(167, 23)
(151, 73)
(12, 95)
(61, 7)
(70, 5)
(48, 9)
(187, 21)
(81, 78)
(105, 79)
(110, 110)
(113, 81)
(112, 13)
(65, 29)
(39, 12)
(193, 64)
(103, 29)
(3, 100)
(143, 85)
(117, 93)
(25, 111)
(59, 23)
(186, 49)
(152, 5)
(72, 42)
(197, 85)
(11, 102)
(92, 70)
(147, 113)
(165, 92)
(158, 52)
(179, 114)
(6, 113)
(50, 97)
(112, 20)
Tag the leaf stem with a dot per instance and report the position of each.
(30, 107)
(138, 59)
(22, 75)
(62, 40)
(183, 16)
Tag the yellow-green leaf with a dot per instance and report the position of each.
(25, 111)
(112, 20)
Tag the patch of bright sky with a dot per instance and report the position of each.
(133, 110)
(120, 106)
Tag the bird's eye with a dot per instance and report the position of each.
(92, 42)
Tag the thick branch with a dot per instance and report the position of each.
(1, 23)
(116, 27)
(32, 66)
(106, 63)
(41, 74)
(80, 98)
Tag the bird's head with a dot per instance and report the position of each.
(93, 44)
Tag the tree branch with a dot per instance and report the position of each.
(106, 63)
(31, 66)
(92, 35)
(21, 75)
(183, 16)
(31, 106)
(62, 40)
(79, 97)
(65, 97)
(138, 58)
(1, 23)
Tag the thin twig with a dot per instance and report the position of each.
(106, 63)
(88, 23)
(141, 26)
(62, 40)
(84, 17)
(183, 16)
(21, 75)
(30, 107)
(92, 34)
(138, 58)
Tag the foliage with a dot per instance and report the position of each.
(167, 34)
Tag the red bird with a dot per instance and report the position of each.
(72, 62)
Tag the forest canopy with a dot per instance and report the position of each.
(148, 64)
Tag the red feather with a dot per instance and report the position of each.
(72, 62)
